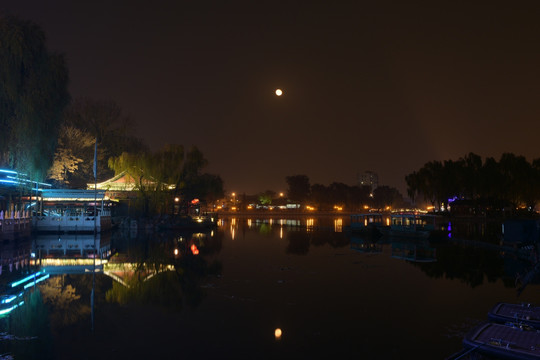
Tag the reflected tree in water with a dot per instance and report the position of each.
(64, 302)
(334, 239)
(265, 229)
(162, 290)
(194, 270)
(158, 276)
(30, 328)
(469, 264)
(298, 242)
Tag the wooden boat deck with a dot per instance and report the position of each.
(504, 341)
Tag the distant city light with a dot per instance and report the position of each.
(278, 333)
(279, 92)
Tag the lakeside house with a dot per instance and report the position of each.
(69, 211)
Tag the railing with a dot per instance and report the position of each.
(15, 222)
(72, 223)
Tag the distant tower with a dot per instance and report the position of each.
(369, 178)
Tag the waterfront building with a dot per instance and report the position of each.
(70, 211)
(17, 192)
(369, 178)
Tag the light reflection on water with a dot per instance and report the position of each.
(328, 292)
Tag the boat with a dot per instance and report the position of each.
(523, 314)
(410, 225)
(520, 231)
(368, 223)
(503, 342)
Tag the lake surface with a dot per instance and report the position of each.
(225, 293)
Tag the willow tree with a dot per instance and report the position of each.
(167, 173)
(154, 174)
(33, 95)
(137, 166)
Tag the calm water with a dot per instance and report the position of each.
(332, 294)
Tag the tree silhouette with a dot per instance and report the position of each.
(299, 187)
(33, 95)
(512, 180)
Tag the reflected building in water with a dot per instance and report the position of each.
(72, 246)
(15, 255)
(71, 253)
(414, 251)
(366, 245)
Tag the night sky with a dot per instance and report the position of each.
(368, 85)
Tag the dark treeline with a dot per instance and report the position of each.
(510, 181)
(325, 197)
(33, 95)
(52, 137)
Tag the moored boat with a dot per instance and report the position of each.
(410, 225)
(368, 223)
(505, 342)
(525, 314)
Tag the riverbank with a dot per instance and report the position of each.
(283, 213)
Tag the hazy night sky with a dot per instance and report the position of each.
(368, 85)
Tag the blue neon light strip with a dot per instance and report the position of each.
(26, 181)
(9, 181)
(9, 299)
(8, 310)
(8, 171)
(38, 280)
(25, 279)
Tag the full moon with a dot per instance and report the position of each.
(279, 92)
